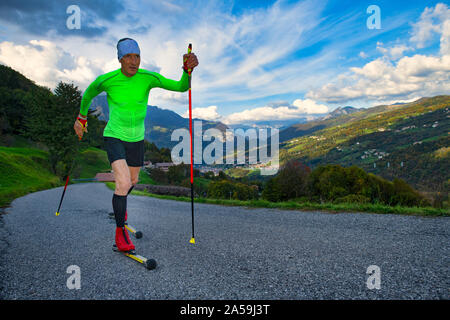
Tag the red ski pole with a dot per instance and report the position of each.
(67, 182)
(192, 161)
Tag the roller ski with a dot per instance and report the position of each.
(126, 247)
(137, 234)
(150, 264)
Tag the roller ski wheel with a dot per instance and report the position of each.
(150, 264)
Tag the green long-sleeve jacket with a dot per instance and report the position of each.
(127, 100)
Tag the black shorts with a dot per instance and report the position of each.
(132, 152)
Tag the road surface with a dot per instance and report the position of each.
(240, 253)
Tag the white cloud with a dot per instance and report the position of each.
(309, 106)
(395, 52)
(273, 111)
(380, 80)
(46, 63)
(160, 96)
(385, 79)
(208, 113)
(363, 55)
(445, 38)
(431, 21)
(299, 108)
(420, 67)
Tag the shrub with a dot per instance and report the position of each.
(177, 173)
(353, 198)
(328, 182)
(226, 189)
(337, 184)
(292, 180)
(158, 175)
(271, 190)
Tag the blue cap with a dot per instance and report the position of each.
(126, 46)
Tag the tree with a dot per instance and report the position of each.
(94, 137)
(12, 109)
(222, 176)
(158, 175)
(165, 154)
(177, 173)
(13, 88)
(155, 155)
(292, 180)
(209, 175)
(328, 182)
(271, 190)
(50, 120)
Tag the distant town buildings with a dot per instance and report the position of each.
(205, 169)
(148, 164)
(320, 138)
(374, 152)
(406, 128)
(164, 166)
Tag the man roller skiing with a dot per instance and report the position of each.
(127, 91)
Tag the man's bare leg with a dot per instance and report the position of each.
(123, 184)
(119, 201)
(122, 177)
(134, 174)
(126, 178)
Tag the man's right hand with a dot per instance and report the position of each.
(80, 126)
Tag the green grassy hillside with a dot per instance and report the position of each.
(411, 137)
(89, 162)
(25, 170)
(22, 171)
(144, 178)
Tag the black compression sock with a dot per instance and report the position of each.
(129, 191)
(120, 206)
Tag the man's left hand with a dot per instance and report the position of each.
(189, 61)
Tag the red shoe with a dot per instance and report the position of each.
(123, 241)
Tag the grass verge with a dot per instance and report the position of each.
(306, 206)
(27, 169)
(22, 171)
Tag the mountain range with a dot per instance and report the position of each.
(339, 112)
(406, 140)
(160, 123)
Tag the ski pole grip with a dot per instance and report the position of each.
(189, 51)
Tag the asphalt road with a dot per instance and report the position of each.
(241, 253)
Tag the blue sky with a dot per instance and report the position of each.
(259, 60)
